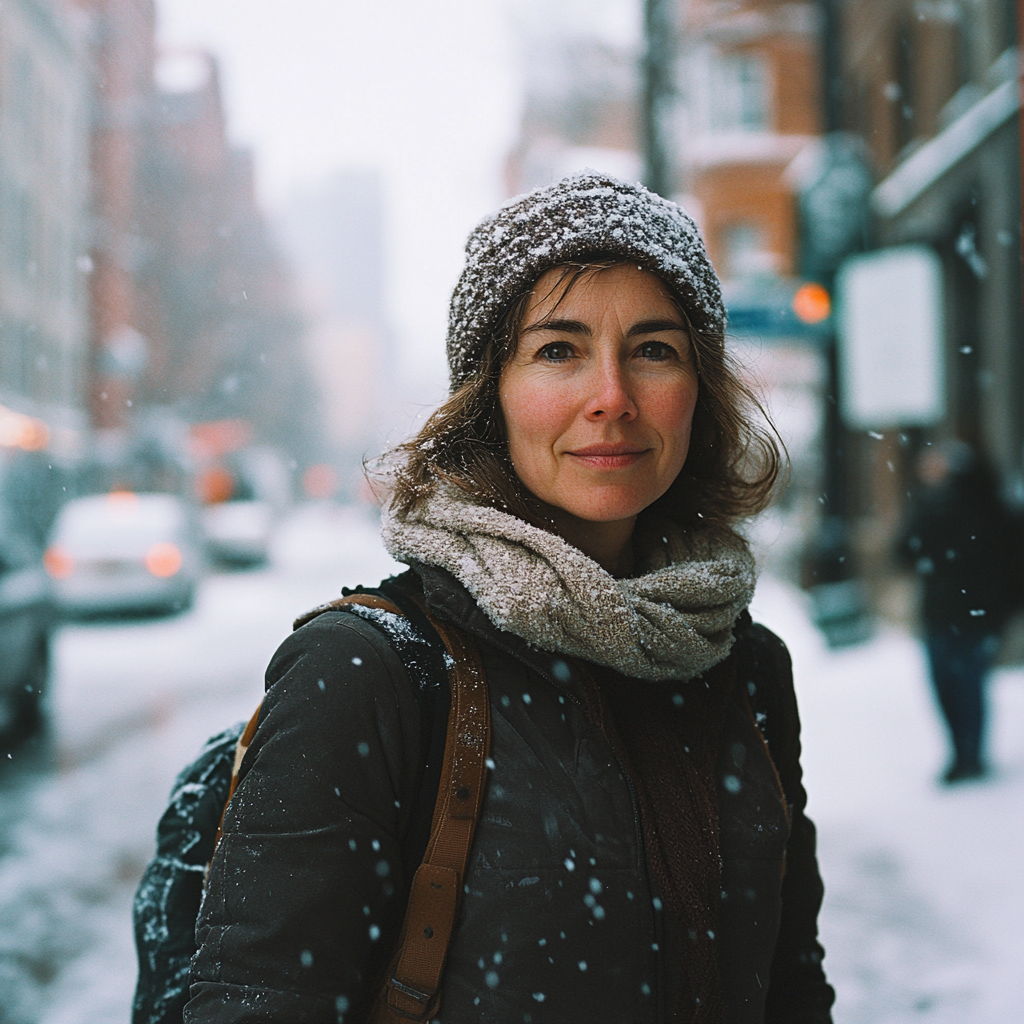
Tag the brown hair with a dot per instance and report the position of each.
(730, 472)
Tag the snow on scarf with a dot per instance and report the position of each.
(673, 622)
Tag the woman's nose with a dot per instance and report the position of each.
(610, 397)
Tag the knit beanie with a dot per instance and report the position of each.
(579, 216)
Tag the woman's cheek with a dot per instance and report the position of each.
(536, 415)
(671, 410)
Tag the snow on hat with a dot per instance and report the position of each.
(577, 217)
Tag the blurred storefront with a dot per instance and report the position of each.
(932, 92)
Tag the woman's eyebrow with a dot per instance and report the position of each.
(562, 326)
(653, 327)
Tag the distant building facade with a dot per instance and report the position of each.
(226, 328)
(44, 216)
(140, 290)
(333, 233)
(191, 312)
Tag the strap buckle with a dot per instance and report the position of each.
(422, 999)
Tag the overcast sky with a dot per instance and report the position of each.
(426, 90)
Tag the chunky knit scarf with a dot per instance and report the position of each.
(673, 621)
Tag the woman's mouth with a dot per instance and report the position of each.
(610, 456)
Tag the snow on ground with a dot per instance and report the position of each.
(923, 903)
(131, 704)
(923, 889)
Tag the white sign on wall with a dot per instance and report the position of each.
(891, 338)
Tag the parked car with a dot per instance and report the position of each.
(238, 532)
(244, 492)
(26, 621)
(124, 552)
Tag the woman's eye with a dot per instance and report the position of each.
(556, 352)
(657, 350)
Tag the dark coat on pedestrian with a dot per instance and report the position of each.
(560, 919)
(967, 551)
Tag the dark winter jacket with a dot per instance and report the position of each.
(558, 921)
(967, 550)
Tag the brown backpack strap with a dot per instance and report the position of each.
(412, 989)
(240, 750)
(367, 600)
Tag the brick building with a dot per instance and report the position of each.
(747, 82)
(191, 310)
(931, 88)
(122, 34)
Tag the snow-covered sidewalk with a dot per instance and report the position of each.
(923, 909)
(924, 905)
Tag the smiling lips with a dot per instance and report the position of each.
(610, 456)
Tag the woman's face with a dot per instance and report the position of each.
(598, 400)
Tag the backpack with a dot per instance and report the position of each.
(448, 679)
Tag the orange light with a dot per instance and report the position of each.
(163, 560)
(20, 431)
(812, 303)
(214, 485)
(58, 563)
(320, 481)
(122, 506)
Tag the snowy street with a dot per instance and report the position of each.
(924, 892)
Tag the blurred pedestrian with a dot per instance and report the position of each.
(966, 549)
(641, 852)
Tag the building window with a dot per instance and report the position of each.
(739, 93)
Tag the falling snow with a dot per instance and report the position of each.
(923, 885)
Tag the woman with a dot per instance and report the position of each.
(640, 855)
